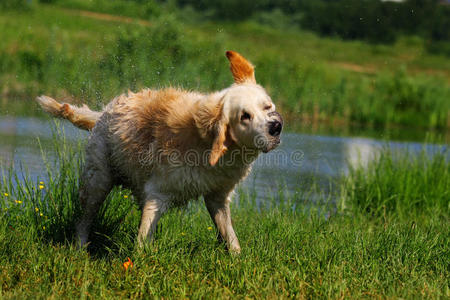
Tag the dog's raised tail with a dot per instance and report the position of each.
(82, 117)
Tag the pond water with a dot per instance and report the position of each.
(300, 161)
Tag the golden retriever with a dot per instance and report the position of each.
(169, 146)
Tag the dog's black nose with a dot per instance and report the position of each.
(275, 128)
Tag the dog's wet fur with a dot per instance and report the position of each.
(155, 142)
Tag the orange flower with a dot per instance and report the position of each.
(128, 264)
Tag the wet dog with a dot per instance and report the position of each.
(170, 146)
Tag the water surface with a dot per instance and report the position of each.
(300, 161)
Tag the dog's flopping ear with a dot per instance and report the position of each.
(212, 123)
(242, 70)
(219, 146)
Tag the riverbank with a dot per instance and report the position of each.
(386, 236)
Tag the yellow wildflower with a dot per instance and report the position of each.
(6, 194)
(209, 228)
(183, 233)
(41, 182)
(36, 209)
(41, 186)
(41, 214)
(125, 196)
(43, 227)
(18, 201)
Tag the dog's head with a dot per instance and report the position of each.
(248, 117)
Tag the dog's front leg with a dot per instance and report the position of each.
(152, 211)
(219, 208)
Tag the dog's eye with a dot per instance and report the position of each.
(245, 116)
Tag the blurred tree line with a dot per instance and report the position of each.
(371, 20)
(15, 4)
(375, 21)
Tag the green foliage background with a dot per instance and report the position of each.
(93, 62)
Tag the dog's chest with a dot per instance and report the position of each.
(183, 183)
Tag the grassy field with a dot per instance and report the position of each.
(382, 233)
(387, 237)
(81, 55)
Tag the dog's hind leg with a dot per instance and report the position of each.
(96, 183)
(92, 195)
(219, 208)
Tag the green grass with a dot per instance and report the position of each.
(57, 51)
(400, 184)
(391, 240)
